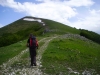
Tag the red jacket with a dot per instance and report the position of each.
(29, 43)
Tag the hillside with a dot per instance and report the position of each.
(28, 22)
(68, 54)
(20, 25)
(71, 54)
(60, 28)
(63, 50)
(21, 29)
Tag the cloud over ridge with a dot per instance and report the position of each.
(59, 10)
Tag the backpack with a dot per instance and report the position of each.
(32, 42)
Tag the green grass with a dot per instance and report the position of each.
(61, 28)
(19, 25)
(25, 60)
(74, 53)
(61, 54)
(10, 51)
(23, 26)
(27, 54)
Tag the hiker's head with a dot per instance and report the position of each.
(31, 36)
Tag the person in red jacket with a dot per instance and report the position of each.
(32, 43)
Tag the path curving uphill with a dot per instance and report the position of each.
(24, 69)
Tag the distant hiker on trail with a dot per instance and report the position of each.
(32, 43)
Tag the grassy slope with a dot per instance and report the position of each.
(21, 29)
(12, 50)
(61, 53)
(77, 54)
(62, 29)
(74, 53)
(21, 24)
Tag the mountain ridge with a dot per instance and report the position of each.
(20, 29)
(72, 52)
(22, 22)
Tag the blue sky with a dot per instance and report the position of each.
(84, 14)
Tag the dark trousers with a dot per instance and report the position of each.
(33, 56)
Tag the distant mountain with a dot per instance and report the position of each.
(20, 25)
(21, 29)
(29, 22)
(59, 44)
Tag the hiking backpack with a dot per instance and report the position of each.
(32, 42)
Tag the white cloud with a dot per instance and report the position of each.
(1, 25)
(73, 3)
(46, 5)
(51, 10)
(58, 10)
(78, 3)
(54, 9)
(91, 22)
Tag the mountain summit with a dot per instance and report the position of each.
(21, 29)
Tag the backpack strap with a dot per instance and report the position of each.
(31, 41)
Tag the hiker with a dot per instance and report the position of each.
(32, 43)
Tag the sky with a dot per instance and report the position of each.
(81, 14)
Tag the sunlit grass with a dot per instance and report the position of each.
(10, 51)
(25, 58)
(74, 53)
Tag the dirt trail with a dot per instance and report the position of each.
(24, 69)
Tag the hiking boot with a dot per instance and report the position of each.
(35, 64)
(31, 65)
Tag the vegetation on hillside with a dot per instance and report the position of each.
(67, 54)
(10, 38)
(71, 54)
(90, 35)
(12, 50)
(21, 29)
(18, 26)
(18, 31)
(59, 28)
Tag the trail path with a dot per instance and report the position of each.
(24, 69)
